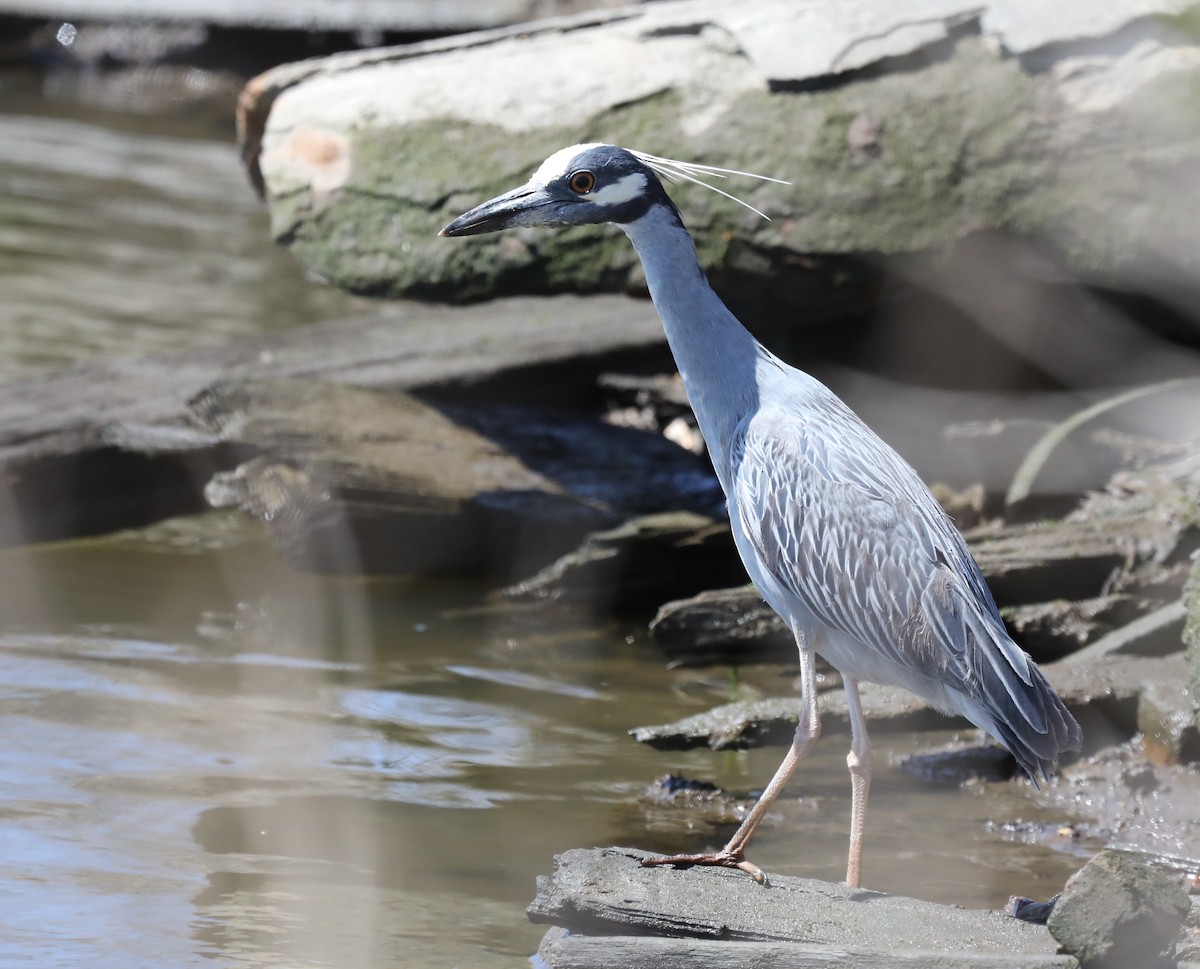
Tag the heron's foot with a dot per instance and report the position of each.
(724, 858)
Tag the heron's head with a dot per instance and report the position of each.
(580, 185)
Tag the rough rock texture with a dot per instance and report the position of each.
(361, 481)
(1191, 636)
(563, 950)
(1111, 571)
(603, 892)
(961, 763)
(900, 127)
(1119, 911)
(761, 723)
(722, 626)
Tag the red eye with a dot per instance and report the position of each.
(582, 182)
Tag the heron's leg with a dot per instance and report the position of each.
(808, 729)
(859, 762)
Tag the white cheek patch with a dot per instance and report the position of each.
(557, 164)
(624, 189)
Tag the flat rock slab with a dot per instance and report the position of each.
(1103, 696)
(604, 892)
(563, 950)
(362, 481)
(412, 347)
(124, 442)
(772, 722)
(722, 626)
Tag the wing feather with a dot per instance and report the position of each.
(844, 525)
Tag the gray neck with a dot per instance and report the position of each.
(715, 354)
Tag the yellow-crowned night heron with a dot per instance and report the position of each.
(839, 534)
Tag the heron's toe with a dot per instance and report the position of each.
(722, 859)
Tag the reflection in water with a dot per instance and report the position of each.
(204, 754)
(116, 242)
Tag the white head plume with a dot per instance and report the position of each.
(674, 171)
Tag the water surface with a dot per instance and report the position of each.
(124, 235)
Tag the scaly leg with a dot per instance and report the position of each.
(859, 762)
(733, 855)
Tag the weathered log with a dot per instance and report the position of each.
(1051, 630)
(1076, 557)
(1157, 633)
(605, 892)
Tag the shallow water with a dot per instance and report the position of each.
(207, 756)
(205, 753)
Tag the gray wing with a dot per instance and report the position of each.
(840, 521)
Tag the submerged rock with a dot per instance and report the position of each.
(702, 801)
(730, 626)
(961, 763)
(1120, 796)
